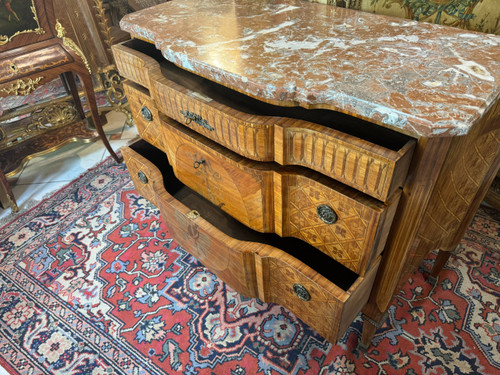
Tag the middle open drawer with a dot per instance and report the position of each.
(345, 224)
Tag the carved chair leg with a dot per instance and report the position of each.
(6, 195)
(91, 101)
(439, 263)
(69, 80)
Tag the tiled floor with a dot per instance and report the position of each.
(44, 175)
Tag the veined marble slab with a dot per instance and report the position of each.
(419, 78)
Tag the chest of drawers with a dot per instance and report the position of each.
(303, 200)
(272, 230)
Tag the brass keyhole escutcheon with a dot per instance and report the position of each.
(197, 163)
(14, 67)
(301, 292)
(327, 214)
(146, 114)
(142, 177)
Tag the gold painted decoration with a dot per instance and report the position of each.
(112, 83)
(48, 116)
(103, 23)
(68, 42)
(53, 116)
(21, 87)
(21, 18)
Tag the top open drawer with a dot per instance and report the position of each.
(363, 155)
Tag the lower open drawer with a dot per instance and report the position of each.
(320, 291)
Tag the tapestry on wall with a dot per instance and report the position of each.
(92, 283)
(478, 15)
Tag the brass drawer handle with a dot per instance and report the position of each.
(301, 292)
(327, 214)
(197, 163)
(142, 177)
(190, 116)
(146, 113)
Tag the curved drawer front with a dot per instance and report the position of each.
(133, 65)
(347, 227)
(244, 125)
(143, 173)
(231, 263)
(242, 259)
(342, 223)
(250, 136)
(144, 113)
(367, 167)
(328, 309)
(226, 182)
(370, 168)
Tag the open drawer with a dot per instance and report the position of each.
(343, 223)
(358, 153)
(287, 271)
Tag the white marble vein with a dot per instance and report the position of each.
(420, 78)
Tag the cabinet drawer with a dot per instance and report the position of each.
(358, 153)
(16, 66)
(135, 65)
(341, 222)
(144, 113)
(319, 290)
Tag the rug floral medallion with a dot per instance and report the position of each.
(92, 283)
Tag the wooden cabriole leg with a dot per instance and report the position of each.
(91, 102)
(69, 79)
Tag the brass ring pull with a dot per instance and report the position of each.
(142, 177)
(327, 214)
(197, 163)
(187, 120)
(301, 292)
(146, 113)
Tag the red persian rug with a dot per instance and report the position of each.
(92, 283)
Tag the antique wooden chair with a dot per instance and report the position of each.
(34, 49)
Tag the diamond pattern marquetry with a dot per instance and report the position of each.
(345, 240)
(148, 130)
(455, 192)
(322, 312)
(136, 166)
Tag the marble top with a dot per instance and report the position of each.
(419, 78)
